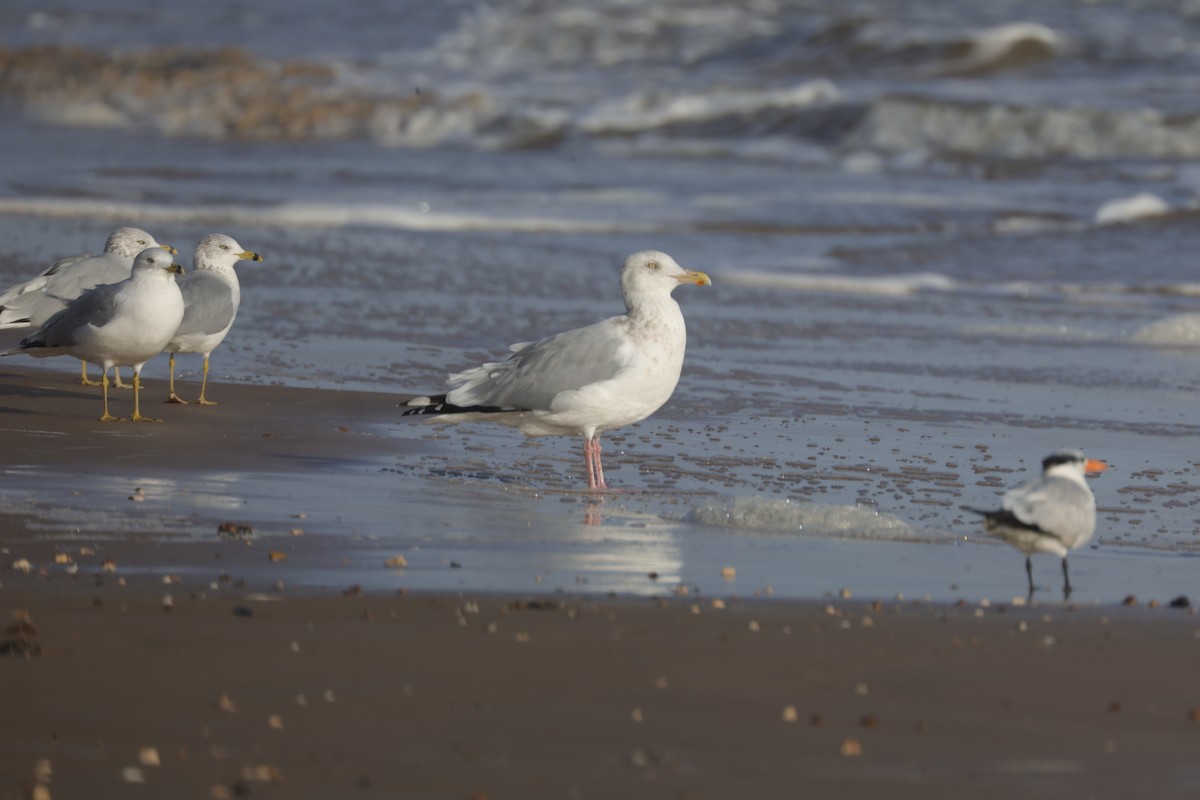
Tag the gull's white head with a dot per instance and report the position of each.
(154, 260)
(1071, 464)
(220, 252)
(129, 242)
(650, 271)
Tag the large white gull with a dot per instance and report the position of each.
(116, 324)
(211, 297)
(30, 303)
(588, 380)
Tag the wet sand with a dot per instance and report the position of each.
(244, 686)
(229, 695)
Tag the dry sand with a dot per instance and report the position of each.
(244, 690)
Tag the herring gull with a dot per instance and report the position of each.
(211, 296)
(116, 324)
(1054, 513)
(587, 380)
(31, 303)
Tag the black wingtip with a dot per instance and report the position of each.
(438, 405)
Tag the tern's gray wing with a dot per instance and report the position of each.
(537, 372)
(208, 305)
(95, 308)
(1056, 506)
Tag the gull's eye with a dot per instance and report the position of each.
(142, 242)
(652, 265)
(224, 247)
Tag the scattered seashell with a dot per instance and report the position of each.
(728, 573)
(62, 558)
(396, 562)
(754, 626)
(40, 792)
(43, 772)
(295, 647)
(844, 593)
(851, 748)
(277, 555)
(861, 689)
(22, 565)
(220, 791)
(522, 637)
(718, 603)
(225, 704)
(867, 622)
(636, 715)
(790, 714)
(328, 695)
(133, 775)
(148, 757)
(168, 603)
(660, 683)
(275, 721)
(86, 551)
(108, 565)
(296, 531)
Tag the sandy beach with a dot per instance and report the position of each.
(199, 666)
(226, 693)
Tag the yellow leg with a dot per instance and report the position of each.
(137, 388)
(117, 374)
(104, 382)
(83, 378)
(204, 385)
(171, 396)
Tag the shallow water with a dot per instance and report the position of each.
(913, 298)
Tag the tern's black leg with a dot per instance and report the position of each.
(1029, 574)
(1066, 581)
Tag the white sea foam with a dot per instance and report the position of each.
(816, 519)
(320, 215)
(893, 285)
(1016, 43)
(1130, 209)
(1182, 330)
(654, 109)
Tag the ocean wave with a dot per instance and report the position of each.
(816, 519)
(911, 124)
(1131, 209)
(655, 110)
(1182, 330)
(319, 215)
(1003, 47)
(891, 285)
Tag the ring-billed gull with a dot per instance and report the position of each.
(31, 303)
(117, 324)
(211, 296)
(588, 380)
(1054, 513)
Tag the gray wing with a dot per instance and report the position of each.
(36, 300)
(1056, 506)
(208, 305)
(96, 307)
(537, 372)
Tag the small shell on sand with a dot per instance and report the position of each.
(790, 714)
(148, 757)
(226, 704)
(851, 747)
(728, 573)
(396, 562)
(277, 555)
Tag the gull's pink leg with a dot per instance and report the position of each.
(600, 484)
(587, 463)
